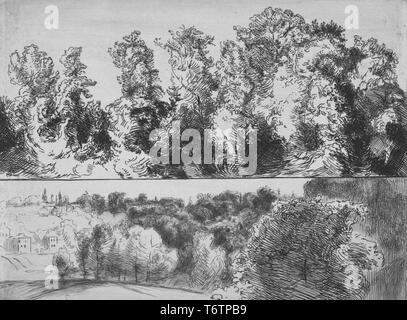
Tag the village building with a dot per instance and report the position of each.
(50, 242)
(18, 244)
(5, 232)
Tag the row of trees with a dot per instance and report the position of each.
(319, 105)
(108, 254)
(57, 199)
(259, 245)
(118, 202)
(108, 251)
(207, 207)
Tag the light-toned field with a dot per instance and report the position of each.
(91, 290)
(24, 267)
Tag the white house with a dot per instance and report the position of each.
(18, 244)
(51, 242)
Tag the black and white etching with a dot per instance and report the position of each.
(320, 238)
(302, 103)
(273, 94)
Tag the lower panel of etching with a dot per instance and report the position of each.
(325, 238)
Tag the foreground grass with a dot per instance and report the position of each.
(90, 289)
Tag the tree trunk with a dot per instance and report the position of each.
(305, 270)
(97, 266)
(147, 272)
(83, 268)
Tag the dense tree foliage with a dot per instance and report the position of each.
(257, 245)
(387, 222)
(141, 108)
(8, 135)
(321, 104)
(194, 82)
(306, 250)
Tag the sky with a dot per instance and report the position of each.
(184, 189)
(96, 24)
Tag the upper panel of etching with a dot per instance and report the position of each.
(104, 91)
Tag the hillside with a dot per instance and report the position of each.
(36, 220)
